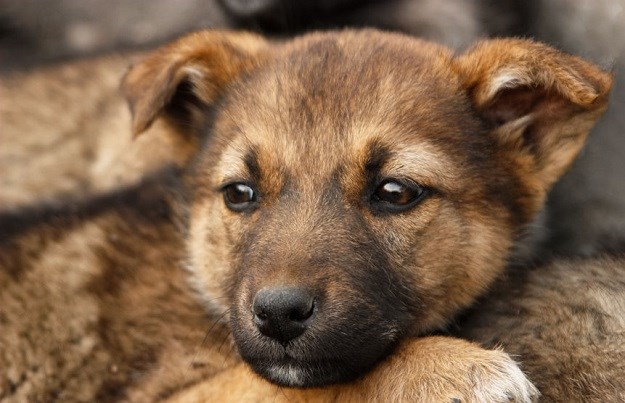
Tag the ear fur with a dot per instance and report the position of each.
(187, 74)
(540, 103)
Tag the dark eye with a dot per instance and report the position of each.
(239, 197)
(397, 195)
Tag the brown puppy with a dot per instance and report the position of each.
(349, 191)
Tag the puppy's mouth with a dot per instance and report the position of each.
(294, 339)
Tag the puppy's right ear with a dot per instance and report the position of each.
(180, 79)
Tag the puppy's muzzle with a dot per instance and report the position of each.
(283, 313)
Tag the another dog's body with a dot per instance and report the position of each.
(65, 133)
(60, 115)
(393, 180)
(564, 322)
(95, 306)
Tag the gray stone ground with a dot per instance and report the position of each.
(37, 31)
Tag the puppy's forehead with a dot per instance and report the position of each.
(325, 99)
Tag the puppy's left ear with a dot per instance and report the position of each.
(540, 103)
(179, 80)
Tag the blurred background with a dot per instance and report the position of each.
(587, 207)
(40, 31)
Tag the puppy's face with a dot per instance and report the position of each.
(353, 189)
(359, 182)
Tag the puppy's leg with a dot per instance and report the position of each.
(426, 369)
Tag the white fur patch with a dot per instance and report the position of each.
(287, 374)
(507, 78)
(194, 72)
(508, 384)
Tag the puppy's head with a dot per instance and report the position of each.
(355, 188)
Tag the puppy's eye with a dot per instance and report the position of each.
(397, 195)
(239, 196)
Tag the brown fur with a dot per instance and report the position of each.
(94, 310)
(314, 125)
(564, 323)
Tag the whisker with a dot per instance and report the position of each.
(229, 354)
(206, 335)
(227, 336)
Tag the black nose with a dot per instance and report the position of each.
(283, 313)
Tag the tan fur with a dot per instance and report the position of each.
(150, 85)
(546, 76)
(305, 121)
(64, 132)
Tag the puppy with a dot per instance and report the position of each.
(346, 192)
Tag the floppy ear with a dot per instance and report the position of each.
(540, 103)
(180, 79)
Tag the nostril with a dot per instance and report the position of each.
(302, 312)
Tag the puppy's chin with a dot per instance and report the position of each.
(293, 373)
(288, 371)
(315, 359)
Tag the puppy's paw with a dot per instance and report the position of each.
(442, 369)
(497, 378)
